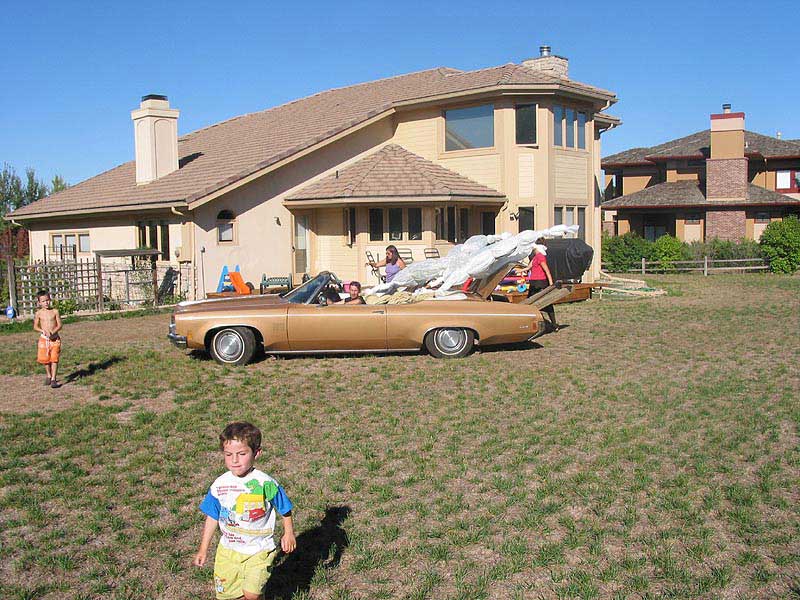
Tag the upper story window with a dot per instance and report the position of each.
(226, 222)
(569, 127)
(467, 128)
(525, 115)
(787, 181)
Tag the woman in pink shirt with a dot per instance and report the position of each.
(539, 277)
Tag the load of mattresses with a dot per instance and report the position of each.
(480, 257)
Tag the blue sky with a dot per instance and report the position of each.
(71, 72)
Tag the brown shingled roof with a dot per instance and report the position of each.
(692, 193)
(393, 171)
(697, 145)
(227, 152)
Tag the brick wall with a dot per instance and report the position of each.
(726, 178)
(725, 224)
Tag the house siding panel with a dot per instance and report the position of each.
(484, 169)
(571, 177)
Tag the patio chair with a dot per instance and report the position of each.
(375, 270)
(432, 253)
(406, 255)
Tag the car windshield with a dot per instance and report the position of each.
(309, 291)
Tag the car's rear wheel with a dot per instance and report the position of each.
(233, 346)
(449, 342)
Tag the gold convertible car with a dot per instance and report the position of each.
(232, 330)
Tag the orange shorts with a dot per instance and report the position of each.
(48, 351)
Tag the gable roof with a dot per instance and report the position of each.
(692, 193)
(697, 146)
(223, 154)
(390, 172)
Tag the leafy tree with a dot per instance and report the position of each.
(780, 243)
(58, 184)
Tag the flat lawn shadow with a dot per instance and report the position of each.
(93, 368)
(519, 346)
(322, 546)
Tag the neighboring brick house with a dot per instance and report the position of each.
(421, 161)
(724, 182)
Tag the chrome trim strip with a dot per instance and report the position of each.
(268, 351)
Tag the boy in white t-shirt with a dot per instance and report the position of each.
(243, 501)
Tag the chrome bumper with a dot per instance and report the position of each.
(177, 340)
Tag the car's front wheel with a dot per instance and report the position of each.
(449, 342)
(233, 346)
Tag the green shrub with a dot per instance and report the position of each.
(780, 244)
(623, 252)
(65, 306)
(667, 250)
(724, 249)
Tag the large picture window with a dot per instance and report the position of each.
(469, 128)
(525, 115)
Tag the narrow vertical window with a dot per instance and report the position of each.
(83, 242)
(451, 223)
(570, 135)
(487, 223)
(352, 224)
(463, 225)
(225, 224)
(582, 223)
(526, 123)
(395, 224)
(414, 223)
(525, 218)
(558, 215)
(582, 130)
(164, 226)
(558, 125)
(375, 224)
(438, 220)
(141, 235)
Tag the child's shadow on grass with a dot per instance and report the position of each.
(92, 368)
(321, 546)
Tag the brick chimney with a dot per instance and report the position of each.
(155, 129)
(549, 63)
(726, 169)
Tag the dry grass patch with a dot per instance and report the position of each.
(648, 450)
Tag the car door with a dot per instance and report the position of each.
(336, 327)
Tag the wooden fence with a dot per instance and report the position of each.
(66, 281)
(706, 265)
(89, 285)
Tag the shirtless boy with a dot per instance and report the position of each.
(47, 321)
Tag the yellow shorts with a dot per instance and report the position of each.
(236, 573)
(48, 351)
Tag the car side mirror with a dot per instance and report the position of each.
(323, 300)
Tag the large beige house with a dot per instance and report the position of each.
(724, 182)
(421, 161)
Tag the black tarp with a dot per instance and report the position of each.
(568, 259)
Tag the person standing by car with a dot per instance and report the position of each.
(393, 263)
(539, 277)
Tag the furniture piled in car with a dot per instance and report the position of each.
(479, 259)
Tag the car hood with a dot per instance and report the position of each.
(236, 302)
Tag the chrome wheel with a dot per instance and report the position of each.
(229, 345)
(450, 342)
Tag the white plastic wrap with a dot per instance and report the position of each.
(480, 257)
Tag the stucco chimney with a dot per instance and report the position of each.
(549, 63)
(155, 129)
(726, 169)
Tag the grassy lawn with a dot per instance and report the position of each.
(648, 450)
